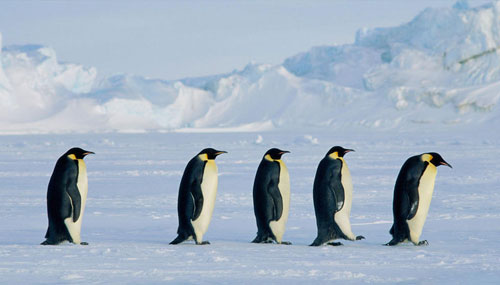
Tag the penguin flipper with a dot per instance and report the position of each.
(72, 190)
(76, 200)
(411, 186)
(412, 198)
(335, 185)
(197, 195)
(277, 200)
(274, 192)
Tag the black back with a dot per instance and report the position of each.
(267, 200)
(59, 206)
(405, 203)
(190, 199)
(328, 197)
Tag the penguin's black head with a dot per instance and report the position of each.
(276, 153)
(438, 160)
(78, 152)
(339, 150)
(211, 153)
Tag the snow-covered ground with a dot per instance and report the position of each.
(131, 210)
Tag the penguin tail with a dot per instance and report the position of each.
(315, 243)
(257, 239)
(318, 241)
(51, 241)
(264, 238)
(178, 239)
(394, 241)
(46, 242)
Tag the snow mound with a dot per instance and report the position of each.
(443, 67)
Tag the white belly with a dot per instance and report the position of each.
(74, 228)
(209, 190)
(342, 217)
(278, 227)
(425, 190)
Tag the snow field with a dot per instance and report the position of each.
(131, 211)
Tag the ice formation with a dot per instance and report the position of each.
(443, 67)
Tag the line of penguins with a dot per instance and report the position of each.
(332, 197)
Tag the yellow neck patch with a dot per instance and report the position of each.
(72, 156)
(268, 157)
(426, 157)
(334, 155)
(203, 156)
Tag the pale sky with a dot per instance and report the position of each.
(176, 39)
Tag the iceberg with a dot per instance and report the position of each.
(441, 68)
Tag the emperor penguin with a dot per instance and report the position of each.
(271, 197)
(332, 196)
(196, 199)
(412, 197)
(66, 197)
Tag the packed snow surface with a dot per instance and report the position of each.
(443, 67)
(131, 212)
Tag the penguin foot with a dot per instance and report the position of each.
(360, 237)
(203, 242)
(335, 243)
(84, 243)
(286, 243)
(423, 242)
